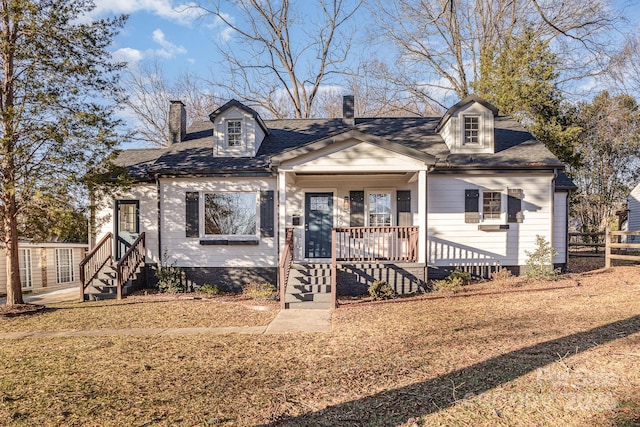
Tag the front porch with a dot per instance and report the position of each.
(354, 207)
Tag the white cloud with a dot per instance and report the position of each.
(183, 13)
(226, 32)
(167, 49)
(129, 55)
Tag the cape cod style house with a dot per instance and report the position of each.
(326, 206)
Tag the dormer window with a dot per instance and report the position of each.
(234, 133)
(471, 129)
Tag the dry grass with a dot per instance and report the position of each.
(138, 313)
(565, 356)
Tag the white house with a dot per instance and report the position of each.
(633, 213)
(339, 203)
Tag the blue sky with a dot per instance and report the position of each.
(177, 35)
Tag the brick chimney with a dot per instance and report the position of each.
(177, 122)
(348, 109)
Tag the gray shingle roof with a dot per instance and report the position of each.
(138, 161)
(515, 147)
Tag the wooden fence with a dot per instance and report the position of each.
(617, 249)
(587, 244)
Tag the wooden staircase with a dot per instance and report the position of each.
(101, 278)
(308, 286)
(105, 285)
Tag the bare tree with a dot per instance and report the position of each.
(150, 93)
(610, 153)
(440, 43)
(278, 55)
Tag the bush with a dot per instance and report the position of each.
(381, 290)
(502, 276)
(169, 277)
(257, 290)
(456, 280)
(540, 261)
(208, 289)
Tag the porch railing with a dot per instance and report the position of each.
(129, 263)
(376, 243)
(285, 265)
(93, 262)
(366, 244)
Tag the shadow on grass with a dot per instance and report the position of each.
(100, 304)
(394, 407)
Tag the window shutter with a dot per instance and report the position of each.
(192, 223)
(356, 205)
(266, 214)
(403, 206)
(514, 205)
(471, 199)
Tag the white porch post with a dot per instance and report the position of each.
(282, 198)
(422, 216)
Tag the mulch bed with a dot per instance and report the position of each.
(20, 309)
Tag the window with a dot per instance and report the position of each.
(230, 213)
(491, 204)
(234, 132)
(471, 129)
(24, 262)
(64, 265)
(127, 217)
(379, 209)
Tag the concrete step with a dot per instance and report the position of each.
(297, 288)
(307, 297)
(308, 305)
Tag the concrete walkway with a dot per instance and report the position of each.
(285, 321)
(48, 296)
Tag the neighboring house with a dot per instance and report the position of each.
(45, 265)
(397, 199)
(633, 214)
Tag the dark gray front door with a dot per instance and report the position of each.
(318, 224)
(127, 225)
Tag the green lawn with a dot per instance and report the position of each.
(553, 357)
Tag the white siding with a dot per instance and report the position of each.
(560, 227)
(454, 242)
(633, 204)
(188, 252)
(147, 195)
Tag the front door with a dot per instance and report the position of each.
(318, 224)
(127, 225)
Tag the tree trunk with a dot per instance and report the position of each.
(14, 288)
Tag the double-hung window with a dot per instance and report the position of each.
(64, 265)
(234, 133)
(491, 204)
(471, 129)
(380, 209)
(230, 214)
(24, 262)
